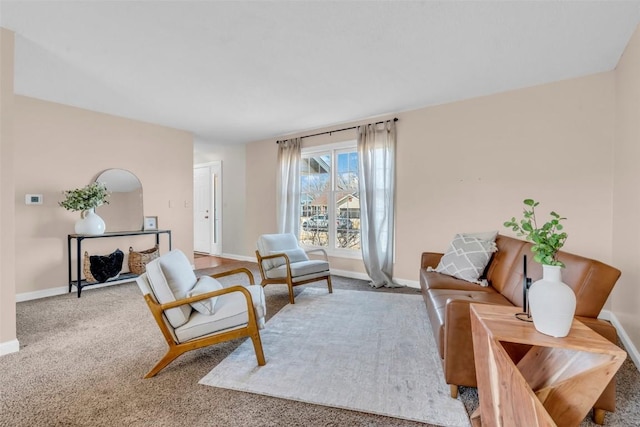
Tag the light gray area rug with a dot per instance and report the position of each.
(364, 351)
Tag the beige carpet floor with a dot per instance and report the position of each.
(81, 363)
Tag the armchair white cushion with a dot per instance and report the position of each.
(171, 289)
(282, 260)
(171, 277)
(203, 285)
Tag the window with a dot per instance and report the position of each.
(330, 198)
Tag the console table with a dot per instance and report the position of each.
(556, 382)
(79, 283)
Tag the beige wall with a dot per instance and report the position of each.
(8, 341)
(467, 166)
(626, 191)
(59, 147)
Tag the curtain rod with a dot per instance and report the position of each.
(395, 119)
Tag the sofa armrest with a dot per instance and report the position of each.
(459, 366)
(430, 259)
(459, 362)
(603, 327)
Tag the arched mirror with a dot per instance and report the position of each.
(125, 210)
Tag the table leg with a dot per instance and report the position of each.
(79, 260)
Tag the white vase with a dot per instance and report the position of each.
(552, 303)
(90, 223)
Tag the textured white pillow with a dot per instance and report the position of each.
(203, 285)
(295, 255)
(467, 257)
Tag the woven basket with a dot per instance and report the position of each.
(86, 268)
(139, 259)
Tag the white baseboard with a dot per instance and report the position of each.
(365, 276)
(239, 257)
(408, 283)
(350, 274)
(28, 296)
(12, 346)
(632, 350)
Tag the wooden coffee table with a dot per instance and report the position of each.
(556, 382)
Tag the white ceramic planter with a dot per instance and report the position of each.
(90, 223)
(552, 303)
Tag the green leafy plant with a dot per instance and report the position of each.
(547, 239)
(88, 197)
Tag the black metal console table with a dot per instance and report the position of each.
(79, 283)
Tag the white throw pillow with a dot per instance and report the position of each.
(295, 255)
(467, 258)
(203, 285)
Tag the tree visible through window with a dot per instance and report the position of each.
(330, 197)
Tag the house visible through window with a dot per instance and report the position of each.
(330, 198)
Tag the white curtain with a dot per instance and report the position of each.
(376, 154)
(288, 186)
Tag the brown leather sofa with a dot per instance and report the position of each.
(447, 300)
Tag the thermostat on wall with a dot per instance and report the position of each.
(33, 199)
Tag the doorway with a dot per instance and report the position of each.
(207, 202)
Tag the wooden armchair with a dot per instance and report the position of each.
(281, 260)
(197, 312)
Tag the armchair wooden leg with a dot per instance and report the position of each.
(329, 284)
(598, 416)
(291, 301)
(257, 347)
(453, 389)
(168, 358)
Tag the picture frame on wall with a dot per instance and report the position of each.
(150, 223)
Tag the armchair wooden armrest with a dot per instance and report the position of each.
(189, 300)
(282, 255)
(240, 270)
(310, 251)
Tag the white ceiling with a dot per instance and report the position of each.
(241, 71)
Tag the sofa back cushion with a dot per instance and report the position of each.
(591, 280)
(500, 273)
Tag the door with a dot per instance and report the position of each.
(202, 207)
(207, 199)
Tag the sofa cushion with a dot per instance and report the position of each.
(437, 300)
(433, 280)
(170, 278)
(205, 285)
(467, 258)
